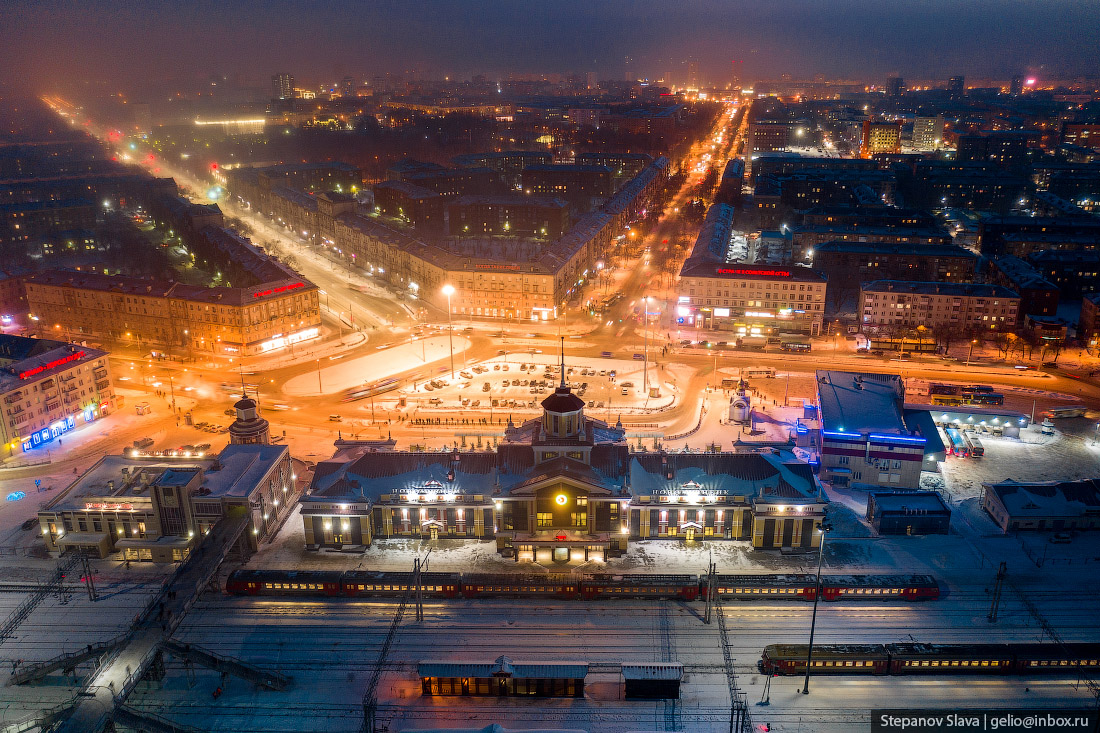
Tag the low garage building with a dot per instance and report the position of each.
(908, 512)
(656, 681)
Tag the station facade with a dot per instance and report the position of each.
(563, 487)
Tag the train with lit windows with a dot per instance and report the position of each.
(921, 658)
(588, 586)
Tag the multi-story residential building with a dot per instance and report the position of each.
(25, 222)
(157, 507)
(1022, 235)
(867, 437)
(966, 306)
(879, 137)
(1038, 296)
(1088, 331)
(1085, 134)
(1075, 272)
(224, 321)
(421, 207)
(810, 236)
(769, 136)
(583, 186)
(48, 388)
(846, 264)
(928, 133)
(517, 278)
(510, 215)
(747, 299)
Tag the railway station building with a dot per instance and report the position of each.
(563, 487)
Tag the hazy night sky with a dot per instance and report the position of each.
(129, 42)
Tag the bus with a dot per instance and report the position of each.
(948, 399)
(977, 450)
(371, 390)
(797, 346)
(765, 372)
(236, 387)
(1072, 411)
(956, 444)
(985, 398)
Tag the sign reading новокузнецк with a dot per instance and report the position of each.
(1054, 720)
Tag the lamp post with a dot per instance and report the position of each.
(449, 290)
(645, 345)
(971, 352)
(813, 618)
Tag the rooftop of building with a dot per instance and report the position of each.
(408, 189)
(909, 501)
(511, 199)
(48, 205)
(288, 168)
(232, 474)
(23, 358)
(959, 290)
(367, 476)
(1048, 498)
(1072, 256)
(855, 403)
(274, 277)
(862, 231)
(566, 168)
(891, 248)
(1021, 274)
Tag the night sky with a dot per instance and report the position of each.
(126, 42)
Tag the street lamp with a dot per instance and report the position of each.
(645, 346)
(813, 618)
(449, 290)
(971, 352)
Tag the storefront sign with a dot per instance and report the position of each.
(56, 363)
(749, 271)
(281, 289)
(106, 506)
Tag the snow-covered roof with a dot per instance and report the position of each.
(654, 671)
(1049, 498)
(858, 403)
(909, 501)
(731, 474)
(505, 667)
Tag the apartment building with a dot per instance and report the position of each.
(48, 388)
(966, 306)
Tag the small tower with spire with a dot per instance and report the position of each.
(249, 427)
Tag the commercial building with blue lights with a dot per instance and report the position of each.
(867, 438)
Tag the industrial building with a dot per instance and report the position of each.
(907, 513)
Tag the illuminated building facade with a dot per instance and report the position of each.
(157, 507)
(560, 488)
(224, 321)
(48, 388)
(866, 436)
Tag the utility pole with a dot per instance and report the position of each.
(813, 617)
(995, 606)
(712, 591)
(645, 345)
(89, 581)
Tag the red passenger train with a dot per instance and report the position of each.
(373, 583)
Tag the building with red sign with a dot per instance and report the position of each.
(745, 299)
(48, 388)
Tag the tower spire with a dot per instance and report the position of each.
(563, 362)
